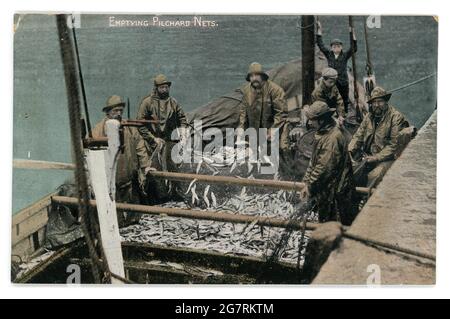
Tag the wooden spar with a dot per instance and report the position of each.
(286, 185)
(32, 164)
(219, 216)
(102, 165)
(184, 177)
(308, 67)
(355, 81)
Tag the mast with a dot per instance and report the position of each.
(80, 75)
(72, 88)
(102, 166)
(308, 67)
(355, 75)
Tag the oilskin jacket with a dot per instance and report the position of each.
(379, 140)
(170, 116)
(168, 112)
(338, 63)
(264, 108)
(331, 96)
(127, 161)
(329, 173)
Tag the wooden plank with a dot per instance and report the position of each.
(27, 227)
(106, 209)
(23, 249)
(32, 209)
(33, 164)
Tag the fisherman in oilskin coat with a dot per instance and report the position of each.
(264, 104)
(127, 189)
(328, 181)
(337, 59)
(377, 138)
(164, 109)
(326, 91)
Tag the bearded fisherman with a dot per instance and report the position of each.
(328, 181)
(168, 116)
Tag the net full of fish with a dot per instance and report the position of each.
(226, 238)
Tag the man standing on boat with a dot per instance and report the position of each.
(169, 115)
(264, 104)
(328, 181)
(337, 59)
(377, 138)
(327, 91)
(127, 160)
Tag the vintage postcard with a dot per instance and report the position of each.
(224, 149)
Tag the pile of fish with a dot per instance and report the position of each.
(226, 238)
(26, 266)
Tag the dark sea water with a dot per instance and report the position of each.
(203, 63)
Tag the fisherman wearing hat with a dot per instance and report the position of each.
(337, 59)
(160, 106)
(164, 109)
(113, 110)
(326, 91)
(127, 160)
(377, 138)
(263, 104)
(328, 180)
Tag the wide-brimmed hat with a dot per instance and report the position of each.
(329, 73)
(336, 41)
(256, 68)
(379, 93)
(112, 102)
(317, 109)
(161, 79)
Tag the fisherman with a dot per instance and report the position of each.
(127, 160)
(328, 181)
(377, 138)
(326, 91)
(113, 111)
(337, 59)
(169, 115)
(264, 104)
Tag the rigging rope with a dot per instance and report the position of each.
(413, 82)
(404, 250)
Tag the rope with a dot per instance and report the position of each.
(407, 251)
(413, 82)
(80, 74)
(124, 280)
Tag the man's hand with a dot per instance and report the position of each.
(295, 134)
(159, 142)
(304, 193)
(341, 120)
(371, 159)
(270, 134)
(149, 169)
(352, 31)
(319, 28)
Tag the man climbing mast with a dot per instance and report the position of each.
(337, 59)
